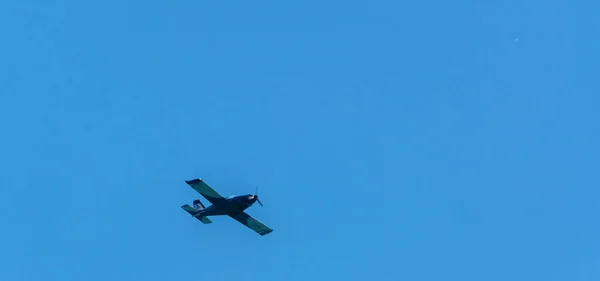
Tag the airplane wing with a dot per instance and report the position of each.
(252, 223)
(201, 187)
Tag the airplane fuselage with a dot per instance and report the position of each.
(229, 206)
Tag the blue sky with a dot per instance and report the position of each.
(390, 140)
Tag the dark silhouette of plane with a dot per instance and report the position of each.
(233, 206)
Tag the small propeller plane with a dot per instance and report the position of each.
(232, 206)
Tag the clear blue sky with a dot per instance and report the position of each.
(390, 140)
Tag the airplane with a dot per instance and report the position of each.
(232, 206)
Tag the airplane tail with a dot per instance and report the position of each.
(198, 205)
(194, 212)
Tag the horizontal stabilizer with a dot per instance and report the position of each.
(189, 209)
(204, 220)
(194, 213)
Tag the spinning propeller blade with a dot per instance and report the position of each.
(256, 195)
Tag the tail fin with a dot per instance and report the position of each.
(194, 213)
(198, 205)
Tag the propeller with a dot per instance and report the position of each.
(256, 196)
